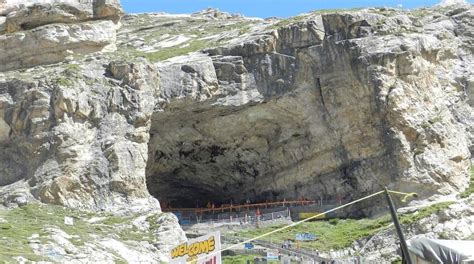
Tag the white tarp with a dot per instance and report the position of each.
(441, 251)
(201, 250)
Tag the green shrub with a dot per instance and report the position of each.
(470, 189)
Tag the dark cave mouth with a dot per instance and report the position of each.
(181, 194)
(221, 155)
(190, 195)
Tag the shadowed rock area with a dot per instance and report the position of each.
(106, 113)
(332, 104)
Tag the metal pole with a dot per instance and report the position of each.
(403, 242)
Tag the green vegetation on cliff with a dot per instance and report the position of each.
(470, 189)
(22, 227)
(341, 233)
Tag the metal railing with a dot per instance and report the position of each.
(288, 251)
(239, 220)
(235, 208)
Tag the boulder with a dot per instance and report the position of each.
(42, 14)
(108, 9)
(53, 43)
(184, 76)
(300, 35)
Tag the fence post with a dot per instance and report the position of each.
(405, 253)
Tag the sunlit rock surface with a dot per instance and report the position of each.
(104, 113)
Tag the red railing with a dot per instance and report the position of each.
(230, 207)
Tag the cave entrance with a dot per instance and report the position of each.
(201, 152)
(196, 157)
(187, 194)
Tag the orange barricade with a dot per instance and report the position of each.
(227, 207)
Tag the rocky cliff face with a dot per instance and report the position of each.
(97, 116)
(74, 130)
(329, 104)
(76, 133)
(321, 104)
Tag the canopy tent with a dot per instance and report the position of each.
(441, 251)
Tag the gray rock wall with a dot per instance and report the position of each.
(50, 31)
(78, 137)
(341, 104)
(334, 105)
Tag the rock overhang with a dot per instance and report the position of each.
(297, 113)
(345, 80)
(61, 30)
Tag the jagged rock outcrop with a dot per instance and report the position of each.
(336, 104)
(53, 43)
(108, 9)
(333, 103)
(38, 15)
(84, 135)
(76, 134)
(72, 148)
(45, 33)
(456, 222)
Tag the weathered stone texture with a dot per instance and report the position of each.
(340, 104)
(46, 33)
(80, 140)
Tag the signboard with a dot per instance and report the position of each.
(272, 254)
(249, 246)
(201, 250)
(305, 237)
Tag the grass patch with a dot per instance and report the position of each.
(65, 82)
(153, 221)
(470, 189)
(423, 213)
(26, 221)
(196, 29)
(333, 234)
(341, 233)
(21, 223)
(166, 53)
(195, 44)
(238, 259)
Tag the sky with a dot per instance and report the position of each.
(262, 8)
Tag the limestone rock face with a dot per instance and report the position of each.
(193, 77)
(108, 9)
(2, 24)
(46, 32)
(38, 15)
(214, 106)
(333, 104)
(74, 131)
(322, 104)
(80, 138)
(454, 223)
(53, 43)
